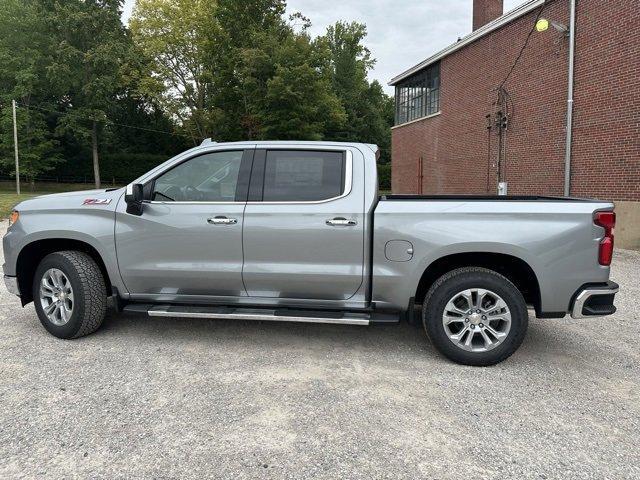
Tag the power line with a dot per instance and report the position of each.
(526, 42)
(105, 121)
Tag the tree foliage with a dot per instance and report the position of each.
(182, 71)
(369, 110)
(24, 53)
(176, 37)
(278, 78)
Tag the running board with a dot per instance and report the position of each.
(263, 314)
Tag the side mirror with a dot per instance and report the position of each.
(133, 197)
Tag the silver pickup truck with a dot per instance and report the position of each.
(297, 231)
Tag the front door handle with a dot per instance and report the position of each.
(341, 222)
(222, 221)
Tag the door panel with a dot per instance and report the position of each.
(188, 240)
(172, 249)
(290, 251)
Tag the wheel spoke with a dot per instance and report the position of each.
(64, 313)
(56, 312)
(47, 295)
(468, 296)
(45, 285)
(495, 333)
(458, 336)
(54, 278)
(487, 340)
(50, 308)
(469, 339)
(452, 319)
(453, 308)
(482, 294)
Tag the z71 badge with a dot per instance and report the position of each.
(97, 201)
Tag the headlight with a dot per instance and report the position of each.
(13, 218)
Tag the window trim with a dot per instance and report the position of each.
(347, 184)
(439, 112)
(245, 168)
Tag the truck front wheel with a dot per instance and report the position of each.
(69, 293)
(475, 316)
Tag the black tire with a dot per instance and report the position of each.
(446, 287)
(89, 291)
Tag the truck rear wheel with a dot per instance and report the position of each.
(475, 316)
(69, 293)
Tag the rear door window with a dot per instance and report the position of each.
(303, 176)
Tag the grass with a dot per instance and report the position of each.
(9, 198)
(42, 188)
(8, 201)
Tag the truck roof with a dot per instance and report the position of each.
(294, 143)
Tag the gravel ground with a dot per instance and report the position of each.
(174, 398)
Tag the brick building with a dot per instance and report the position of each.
(492, 108)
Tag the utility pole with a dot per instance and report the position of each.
(15, 144)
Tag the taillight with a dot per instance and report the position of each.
(606, 220)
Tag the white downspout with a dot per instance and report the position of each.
(567, 154)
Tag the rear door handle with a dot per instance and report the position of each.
(222, 221)
(341, 222)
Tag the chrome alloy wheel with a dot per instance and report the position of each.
(476, 320)
(56, 296)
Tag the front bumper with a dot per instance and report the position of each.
(595, 300)
(12, 284)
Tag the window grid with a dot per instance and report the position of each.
(419, 95)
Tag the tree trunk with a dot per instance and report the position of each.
(96, 161)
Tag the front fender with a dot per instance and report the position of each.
(94, 227)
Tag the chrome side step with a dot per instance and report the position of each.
(260, 314)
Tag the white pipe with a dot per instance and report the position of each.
(567, 153)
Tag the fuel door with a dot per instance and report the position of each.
(398, 251)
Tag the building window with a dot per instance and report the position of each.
(418, 95)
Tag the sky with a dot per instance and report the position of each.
(402, 33)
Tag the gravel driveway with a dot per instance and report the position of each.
(177, 398)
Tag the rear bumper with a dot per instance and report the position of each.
(595, 300)
(12, 284)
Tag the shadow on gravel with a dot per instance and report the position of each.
(269, 332)
(543, 338)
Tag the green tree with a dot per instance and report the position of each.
(273, 82)
(369, 109)
(91, 47)
(176, 38)
(24, 53)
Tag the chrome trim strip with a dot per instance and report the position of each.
(155, 202)
(586, 294)
(272, 317)
(12, 285)
(348, 185)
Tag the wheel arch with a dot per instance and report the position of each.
(518, 271)
(32, 254)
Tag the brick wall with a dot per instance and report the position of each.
(606, 147)
(460, 154)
